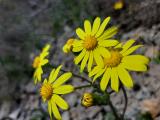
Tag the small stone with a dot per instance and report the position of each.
(65, 115)
(93, 111)
(4, 111)
(71, 99)
(15, 114)
(152, 51)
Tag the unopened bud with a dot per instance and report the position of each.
(68, 46)
(87, 100)
(91, 99)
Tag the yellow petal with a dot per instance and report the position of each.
(43, 55)
(66, 49)
(114, 79)
(80, 33)
(108, 43)
(55, 74)
(133, 66)
(136, 59)
(105, 79)
(64, 89)
(97, 57)
(131, 50)
(127, 45)
(102, 27)
(45, 81)
(104, 52)
(46, 48)
(119, 45)
(100, 72)
(60, 102)
(80, 56)
(90, 62)
(125, 77)
(51, 75)
(77, 49)
(84, 61)
(87, 26)
(110, 32)
(96, 25)
(56, 111)
(62, 79)
(94, 71)
(45, 61)
(50, 109)
(77, 43)
(37, 75)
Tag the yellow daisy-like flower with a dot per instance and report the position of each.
(40, 61)
(51, 90)
(93, 42)
(115, 67)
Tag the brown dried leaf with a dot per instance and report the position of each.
(152, 106)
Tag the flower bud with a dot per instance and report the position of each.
(119, 5)
(91, 99)
(68, 46)
(87, 100)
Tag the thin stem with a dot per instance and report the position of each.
(74, 74)
(78, 76)
(84, 86)
(110, 92)
(126, 101)
(114, 110)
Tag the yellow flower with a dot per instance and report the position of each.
(87, 100)
(93, 42)
(115, 67)
(51, 90)
(38, 62)
(68, 46)
(119, 5)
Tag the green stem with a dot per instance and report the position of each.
(114, 111)
(78, 76)
(74, 74)
(126, 101)
(84, 86)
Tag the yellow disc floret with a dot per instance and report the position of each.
(46, 91)
(114, 60)
(90, 42)
(36, 62)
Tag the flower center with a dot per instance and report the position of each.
(46, 91)
(114, 60)
(36, 62)
(90, 42)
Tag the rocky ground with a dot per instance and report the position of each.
(26, 25)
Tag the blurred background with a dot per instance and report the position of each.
(27, 25)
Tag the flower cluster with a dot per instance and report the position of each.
(106, 57)
(107, 60)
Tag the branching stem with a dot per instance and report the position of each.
(84, 86)
(114, 111)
